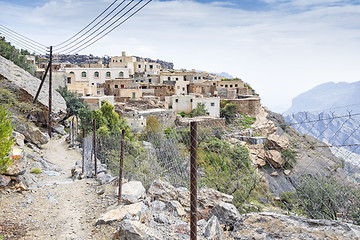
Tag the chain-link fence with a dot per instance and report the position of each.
(303, 165)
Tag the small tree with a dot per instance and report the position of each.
(6, 141)
(200, 110)
(229, 111)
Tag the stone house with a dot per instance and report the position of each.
(189, 102)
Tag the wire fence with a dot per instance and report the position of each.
(305, 165)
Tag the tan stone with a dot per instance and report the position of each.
(117, 213)
(275, 159)
(287, 172)
(274, 174)
(277, 142)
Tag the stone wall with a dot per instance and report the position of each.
(249, 106)
(205, 122)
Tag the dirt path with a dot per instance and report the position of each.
(58, 208)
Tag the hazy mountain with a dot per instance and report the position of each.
(224, 74)
(332, 96)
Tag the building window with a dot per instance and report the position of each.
(92, 84)
(133, 95)
(178, 87)
(236, 85)
(221, 85)
(121, 74)
(169, 78)
(139, 66)
(226, 85)
(212, 104)
(69, 80)
(108, 75)
(116, 86)
(72, 72)
(176, 100)
(120, 60)
(96, 74)
(122, 86)
(183, 89)
(83, 74)
(151, 66)
(177, 79)
(195, 78)
(214, 84)
(98, 92)
(149, 80)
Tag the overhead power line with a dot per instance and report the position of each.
(87, 25)
(20, 43)
(112, 29)
(22, 36)
(99, 28)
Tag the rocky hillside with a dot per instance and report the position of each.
(25, 86)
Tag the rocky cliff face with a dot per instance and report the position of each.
(25, 86)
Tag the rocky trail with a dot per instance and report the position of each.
(57, 207)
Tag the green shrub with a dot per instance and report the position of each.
(200, 110)
(36, 170)
(182, 114)
(6, 141)
(290, 157)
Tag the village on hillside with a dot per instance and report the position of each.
(139, 87)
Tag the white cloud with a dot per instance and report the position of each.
(279, 52)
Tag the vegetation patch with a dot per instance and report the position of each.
(6, 142)
(36, 170)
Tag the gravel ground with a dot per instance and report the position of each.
(58, 207)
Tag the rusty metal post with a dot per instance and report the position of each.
(121, 164)
(193, 180)
(50, 93)
(94, 144)
(83, 155)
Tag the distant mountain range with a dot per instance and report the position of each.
(330, 112)
(338, 97)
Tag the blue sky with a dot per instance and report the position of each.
(281, 47)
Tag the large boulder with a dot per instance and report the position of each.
(277, 142)
(276, 226)
(32, 134)
(213, 229)
(257, 154)
(275, 158)
(18, 166)
(208, 197)
(226, 213)
(132, 192)
(162, 191)
(117, 213)
(130, 230)
(4, 180)
(25, 86)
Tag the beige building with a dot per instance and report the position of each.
(123, 61)
(189, 102)
(87, 80)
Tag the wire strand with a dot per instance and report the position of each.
(87, 25)
(95, 26)
(35, 42)
(108, 31)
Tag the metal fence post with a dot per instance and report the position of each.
(50, 93)
(94, 144)
(193, 180)
(121, 165)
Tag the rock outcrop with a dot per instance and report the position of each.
(161, 216)
(25, 86)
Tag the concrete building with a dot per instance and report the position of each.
(123, 61)
(94, 102)
(86, 80)
(189, 102)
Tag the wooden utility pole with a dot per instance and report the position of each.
(50, 92)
